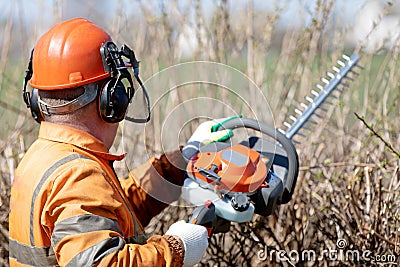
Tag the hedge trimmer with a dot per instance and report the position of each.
(257, 174)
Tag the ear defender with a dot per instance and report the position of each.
(113, 101)
(114, 97)
(34, 106)
(31, 99)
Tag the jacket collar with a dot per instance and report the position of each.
(81, 139)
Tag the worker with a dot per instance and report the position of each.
(67, 206)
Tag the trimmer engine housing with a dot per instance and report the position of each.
(234, 177)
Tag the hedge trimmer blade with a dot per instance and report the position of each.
(333, 81)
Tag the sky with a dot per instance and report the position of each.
(46, 10)
(37, 16)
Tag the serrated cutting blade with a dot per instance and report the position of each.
(320, 97)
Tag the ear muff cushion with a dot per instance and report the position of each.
(113, 109)
(35, 108)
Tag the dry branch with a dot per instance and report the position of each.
(375, 133)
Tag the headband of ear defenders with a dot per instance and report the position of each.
(89, 94)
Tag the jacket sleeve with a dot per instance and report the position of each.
(154, 185)
(156, 246)
(82, 217)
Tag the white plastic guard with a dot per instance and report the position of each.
(196, 195)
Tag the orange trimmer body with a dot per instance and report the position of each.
(234, 169)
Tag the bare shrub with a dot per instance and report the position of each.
(348, 187)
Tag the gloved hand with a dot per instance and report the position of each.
(206, 133)
(194, 238)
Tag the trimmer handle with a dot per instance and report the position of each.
(205, 216)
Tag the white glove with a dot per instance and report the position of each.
(194, 238)
(204, 135)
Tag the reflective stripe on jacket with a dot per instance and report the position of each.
(68, 208)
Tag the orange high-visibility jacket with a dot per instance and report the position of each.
(68, 208)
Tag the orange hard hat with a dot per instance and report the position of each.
(68, 56)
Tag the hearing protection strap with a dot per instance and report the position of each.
(147, 102)
(88, 96)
